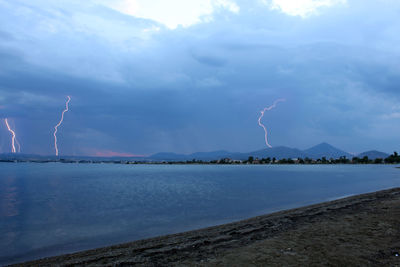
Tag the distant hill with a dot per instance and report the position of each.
(168, 156)
(279, 152)
(326, 150)
(198, 156)
(373, 154)
(211, 155)
(275, 152)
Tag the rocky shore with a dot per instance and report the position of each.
(362, 230)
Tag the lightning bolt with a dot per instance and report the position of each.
(262, 115)
(59, 123)
(18, 145)
(13, 150)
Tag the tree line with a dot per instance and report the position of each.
(392, 159)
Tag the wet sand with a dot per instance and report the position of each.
(362, 230)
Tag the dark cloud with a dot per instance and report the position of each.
(139, 88)
(210, 60)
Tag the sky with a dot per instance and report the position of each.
(148, 76)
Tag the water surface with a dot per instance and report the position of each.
(54, 208)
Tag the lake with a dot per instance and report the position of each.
(54, 208)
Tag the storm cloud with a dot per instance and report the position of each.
(140, 86)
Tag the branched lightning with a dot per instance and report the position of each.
(13, 150)
(18, 145)
(59, 123)
(262, 115)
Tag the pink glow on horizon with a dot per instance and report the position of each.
(109, 153)
(262, 115)
(13, 150)
(59, 123)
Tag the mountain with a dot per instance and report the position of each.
(373, 154)
(168, 156)
(322, 150)
(278, 152)
(327, 151)
(211, 155)
(275, 152)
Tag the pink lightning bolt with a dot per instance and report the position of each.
(262, 115)
(59, 123)
(13, 150)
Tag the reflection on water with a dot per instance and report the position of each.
(8, 197)
(9, 208)
(49, 209)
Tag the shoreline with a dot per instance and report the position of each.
(200, 163)
(367, 223)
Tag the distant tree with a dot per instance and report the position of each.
(282, 161)
(250, 159)
(273, 160)
(364, 160)
(308, 160)
(355, 160)
(344, 160)
(378, 161)
(394, 158)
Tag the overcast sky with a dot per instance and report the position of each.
(183, 76)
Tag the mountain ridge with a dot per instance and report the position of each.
(279, 152)
(326, 150)
(373, 154)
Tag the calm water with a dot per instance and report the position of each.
(50, 209)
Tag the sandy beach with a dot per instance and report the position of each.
(354, 231)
